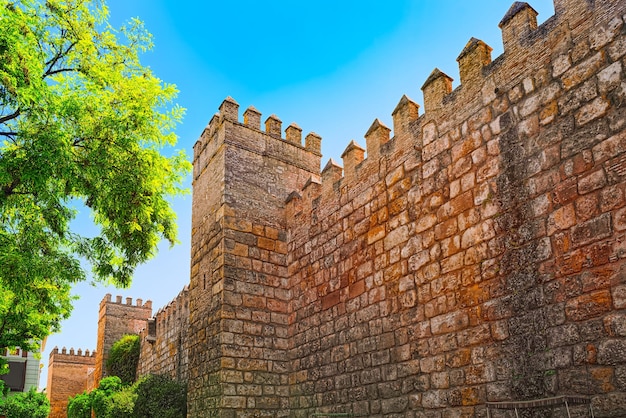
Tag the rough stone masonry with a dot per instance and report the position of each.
(477, 255)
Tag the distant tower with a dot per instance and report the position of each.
(69, 373)
(238, 290)
(115, 320)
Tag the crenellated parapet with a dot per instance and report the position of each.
(66, 354)
(172, 315)
(269, 141)
(527, 47)
(108, 299)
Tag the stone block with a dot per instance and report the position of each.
(588, 306)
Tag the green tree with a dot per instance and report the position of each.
(31, 404)
(158, 396)
(124, 358)
(111, 399)
(79, 406)
(82, 124)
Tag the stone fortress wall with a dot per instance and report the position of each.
(115, 320)
(476, 255)
(163, 339)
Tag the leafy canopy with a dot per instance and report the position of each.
(150, 397)
(31, 404)
(82, 122)
(124, 358)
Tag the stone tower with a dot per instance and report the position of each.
(69, 373)
(239, 289)
(115, 319)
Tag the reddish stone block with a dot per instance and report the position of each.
(592, 230)
(330, 300)
(266, 243)
(591, 182)
(465, 147)
(562, 218)
(587, 207)
(588, 306)
(276, 305)
(356, 289)
(446, 229)
(566, 191)
(450, 246)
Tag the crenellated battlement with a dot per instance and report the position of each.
(175, 311)
(139, 303)
(71, 352)
(527, 48)
(269, 141)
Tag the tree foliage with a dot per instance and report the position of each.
(158, 396)
(31, 404)
(82, 124)
(79, 406)
(150, 397)
(124, 358)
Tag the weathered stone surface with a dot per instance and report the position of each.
(477, 255)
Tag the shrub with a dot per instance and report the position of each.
(110, 400)
(151, 397)
(101, 398)
(122, 404)
(160, 396)
(31, 404)
(79, 406)
(123, 359)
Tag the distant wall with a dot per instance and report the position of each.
(114, 321)
(164, 339)
(69, 373)
(162, 342)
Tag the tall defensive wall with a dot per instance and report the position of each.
(476, 255)
(239, 288)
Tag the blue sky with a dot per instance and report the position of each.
(331, 66)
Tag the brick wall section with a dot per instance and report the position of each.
(114, 321)
(69, 373)
(238, 290)
(163, 340)
(478, 254)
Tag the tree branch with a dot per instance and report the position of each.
(11, 116)
(60, 70)
(51, 63)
